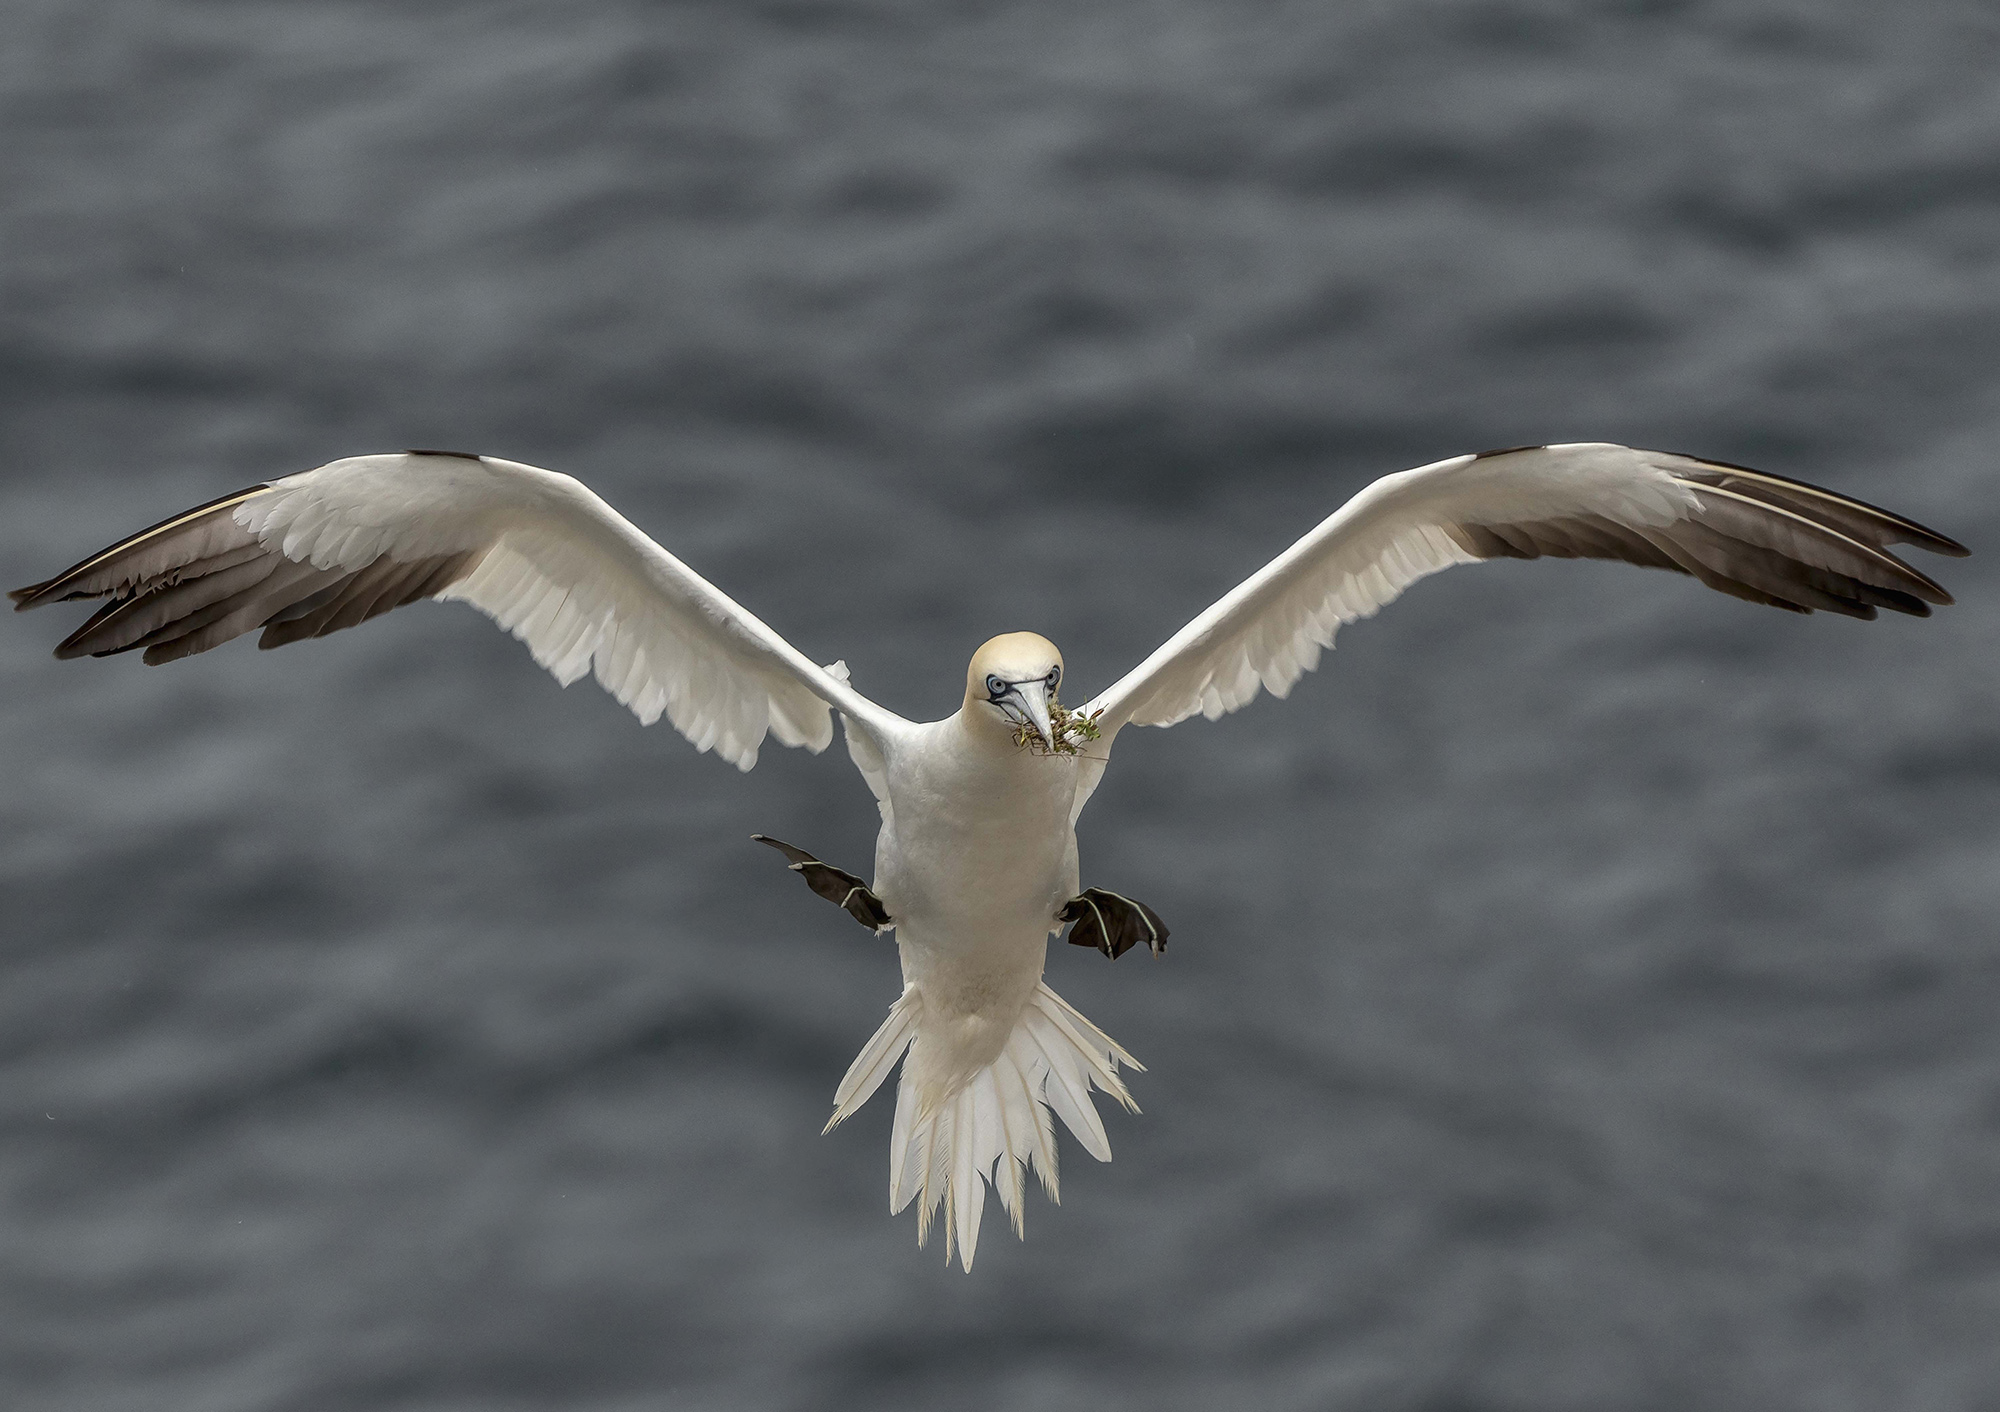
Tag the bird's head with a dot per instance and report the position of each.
(1011, 680)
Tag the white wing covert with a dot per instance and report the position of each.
(1746, 533)
(536, 551)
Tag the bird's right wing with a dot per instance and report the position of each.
(535, 551)
(1756, 536)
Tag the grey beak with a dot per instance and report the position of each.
(1034, 697)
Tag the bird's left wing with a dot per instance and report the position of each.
(1756, 536)
(535, 551)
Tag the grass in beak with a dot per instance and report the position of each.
(1072, 730)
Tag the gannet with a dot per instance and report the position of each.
(976, 862)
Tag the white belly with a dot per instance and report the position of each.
(974, 861)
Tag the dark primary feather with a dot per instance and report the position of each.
(1856, 518)
(198, 579)
(384, 584)
(1758, 537)
(142, 562)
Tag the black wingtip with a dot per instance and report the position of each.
(456, 455)
(1921, 536)
(36, 594)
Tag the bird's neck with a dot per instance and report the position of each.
(984, 732)
(1014, 787)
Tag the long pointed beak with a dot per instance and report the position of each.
(1035, 701)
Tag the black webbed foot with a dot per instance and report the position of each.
(836, 885)
(1113, 924)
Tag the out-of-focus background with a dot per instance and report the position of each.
(1583, 991)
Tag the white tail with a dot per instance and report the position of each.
(945, 1143)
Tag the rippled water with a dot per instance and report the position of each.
(1583, 990)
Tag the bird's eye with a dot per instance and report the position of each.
(1055, 675)
(995, 687)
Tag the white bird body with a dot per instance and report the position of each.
(976, 857)
(976, 863)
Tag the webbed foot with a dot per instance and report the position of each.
(1112, 923)
(836, 885)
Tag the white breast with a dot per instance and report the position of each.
(977, 853)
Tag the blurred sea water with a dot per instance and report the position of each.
(1582, 991)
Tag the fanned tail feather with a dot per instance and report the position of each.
(945, 1146)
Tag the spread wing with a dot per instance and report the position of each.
(535, 551)
(1756, 536)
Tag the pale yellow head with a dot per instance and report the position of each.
(1010, 681)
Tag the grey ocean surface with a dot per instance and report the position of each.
(1583, 994)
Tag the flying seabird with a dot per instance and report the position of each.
(976, 863)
